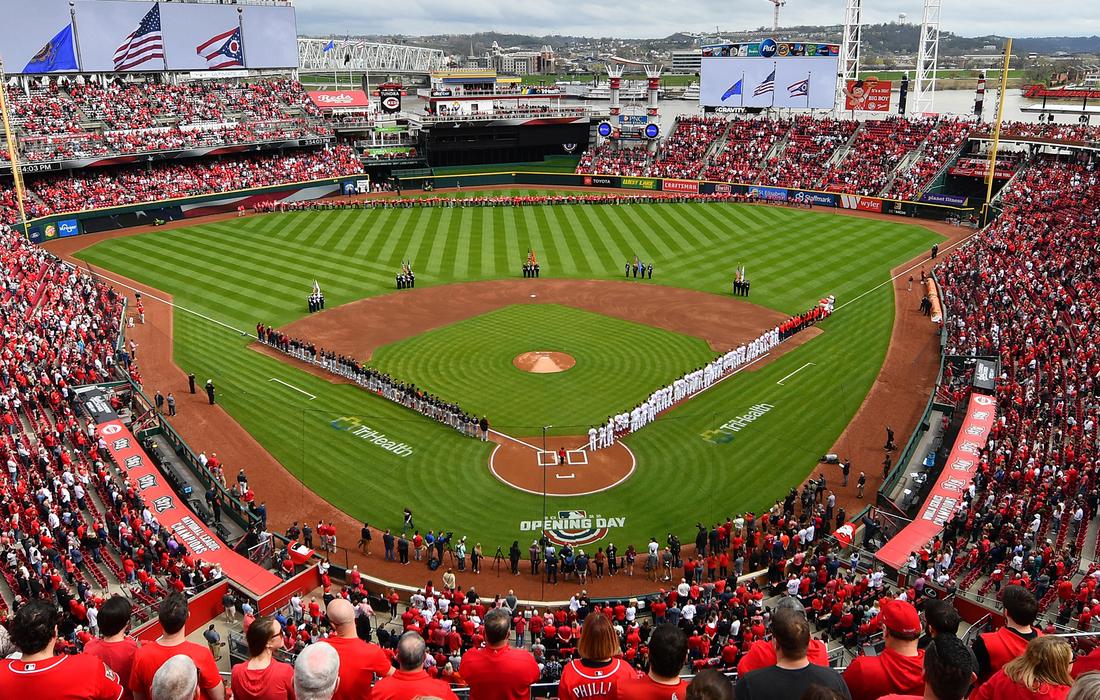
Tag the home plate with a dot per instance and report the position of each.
(564, 476)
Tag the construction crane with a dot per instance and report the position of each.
(775, 18)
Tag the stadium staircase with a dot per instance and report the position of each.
(841, 153)
(903, 165)
(777, 148)
(717, 147)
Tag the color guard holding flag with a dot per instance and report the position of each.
(531, 266)
(316, 298)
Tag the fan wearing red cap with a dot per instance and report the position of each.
(900, 666)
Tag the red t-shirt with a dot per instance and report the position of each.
(80, 677)
(359, 662)
(645, 688)
(504, 673)
(1086, 664)
(276, 682)
(406, 685)
(581, 680)
(869, 677)
(119, 657)
(762, 655)
(1001, 687)
(151, 657)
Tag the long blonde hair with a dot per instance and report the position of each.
(1046, 660)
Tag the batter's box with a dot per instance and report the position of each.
(576, 457)
(548, 459)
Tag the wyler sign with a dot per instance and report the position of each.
(573, 527)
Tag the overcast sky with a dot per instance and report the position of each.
(656, 18)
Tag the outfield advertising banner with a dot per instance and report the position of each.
(770, 194)
(639, 183)
(860, 203)
(68, 227)
(951, 200)
(823, 199)
(867, 95)
(688, 186)
(952, 483)
(600, 181)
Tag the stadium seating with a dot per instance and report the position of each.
(942, 144)
(810, 144)
(748, 142)
(879, 148)
(1026, 290)
(683, 152)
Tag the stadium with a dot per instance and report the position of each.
(448, 383)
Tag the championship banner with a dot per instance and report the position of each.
(868, 95)
(173, 514)
(335, 99)
(945, 496)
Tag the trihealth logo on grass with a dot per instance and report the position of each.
(573, 527)
(365, 432)
(724, 433)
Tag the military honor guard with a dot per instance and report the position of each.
(316, 300)
(405, 278)
(531, 266)
(740, 282)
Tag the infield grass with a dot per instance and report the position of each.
(260, 268)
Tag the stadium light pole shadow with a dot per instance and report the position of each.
(542, 529)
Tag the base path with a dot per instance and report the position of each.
(723, 321)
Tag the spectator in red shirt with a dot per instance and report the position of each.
(600, 671)
(949, 670)
(316, 672)
(498, 671)
(900, 666)
(115, 648)
(41, 674)
(360, 661)
(1041, 673)
(173, 616)
(667, 653)
(262, 677)
(411, 680)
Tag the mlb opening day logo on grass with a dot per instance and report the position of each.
(374, 437)
(573, 527)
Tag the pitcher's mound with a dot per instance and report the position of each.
(543, 362)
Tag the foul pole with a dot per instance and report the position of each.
(997, 132)
(13, 154)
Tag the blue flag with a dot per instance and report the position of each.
(58, 54)
(734, 89)
(329, 46)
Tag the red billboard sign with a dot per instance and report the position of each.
(173, 514)
(690, 186)
(947, 494)
(855, 201)
(868, 95)
(336, 99)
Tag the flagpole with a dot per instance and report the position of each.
(163, 45)
(335, 79)
(240, 29)
(775, 70)
(76, 37)
(743, 74)
(809, 76)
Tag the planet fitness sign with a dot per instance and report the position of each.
(573, 527)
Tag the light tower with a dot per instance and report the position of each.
(775, 17)
(653, 73)
(849, 48)
(615, 77)
(928, 53)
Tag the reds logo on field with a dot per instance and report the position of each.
(573, 527)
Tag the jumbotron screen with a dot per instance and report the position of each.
(768, 73)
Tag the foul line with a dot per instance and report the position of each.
(493, 470)
(505, 435)
(173, 304)
(291, 386)
(780, 382)
(903, 272)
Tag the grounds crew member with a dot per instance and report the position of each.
(900, 667)
(995, 649)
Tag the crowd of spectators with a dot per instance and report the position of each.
(62, 118)
(683, 152)
(810, 144)
(1048, 131)
(610, 160)
(880, 147)
(1027, 291)
(748, 143)
(108, 187)
(941, 144)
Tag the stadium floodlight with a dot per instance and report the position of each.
(849, 48)
(775, 16)
(928, 54)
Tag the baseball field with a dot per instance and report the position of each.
(627, 336)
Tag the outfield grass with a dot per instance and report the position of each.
(619, 364)
(260, 268)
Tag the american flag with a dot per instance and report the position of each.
(222, 51)
(799, 89)
(767, 86)
(145, 43)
